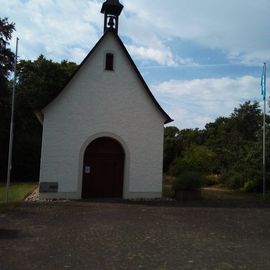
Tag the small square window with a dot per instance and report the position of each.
(109, 61)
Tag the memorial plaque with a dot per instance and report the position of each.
(48, 187)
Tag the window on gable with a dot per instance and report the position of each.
(109, 61)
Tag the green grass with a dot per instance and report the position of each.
(17, 192)
(217, 192)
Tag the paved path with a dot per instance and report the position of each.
(104, 235)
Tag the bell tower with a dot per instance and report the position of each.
(111, 10)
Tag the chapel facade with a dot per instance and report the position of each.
(103, 133)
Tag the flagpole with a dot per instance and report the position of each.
(11, 124)
(264, 111)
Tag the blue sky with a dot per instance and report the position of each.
(200, 58)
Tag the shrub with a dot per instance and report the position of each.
(235, 180)
(197, 158)
(168, 180)
(167, 186)
(210, 180)
(188, 180)
(250, 186)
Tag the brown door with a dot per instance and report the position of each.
(103, 170)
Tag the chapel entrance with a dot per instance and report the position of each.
(103, 169)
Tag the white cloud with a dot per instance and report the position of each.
(237, 27)
(163, 57)
(77, 54)
(194, 103)
(54, 28)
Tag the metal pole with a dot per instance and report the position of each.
(264, 109)
(11, 124)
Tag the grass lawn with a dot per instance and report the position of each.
(17, 193)
(214, 193)
(217, 193)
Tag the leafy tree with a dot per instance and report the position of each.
(247, 120)
(230, 147)
(230, 137)
(6, 67)
(171, 146)
(197, 158)
(191, 136)
(39, 81)
(176, 141)
(217, 139)
(6, 55)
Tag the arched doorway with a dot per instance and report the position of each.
(103, 169)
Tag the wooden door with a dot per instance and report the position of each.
(103, 170)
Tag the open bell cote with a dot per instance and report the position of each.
(111, 10)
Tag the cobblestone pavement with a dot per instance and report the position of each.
(120, 235)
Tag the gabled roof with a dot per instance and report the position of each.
(167, 117)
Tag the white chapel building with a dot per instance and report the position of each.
(103, 134)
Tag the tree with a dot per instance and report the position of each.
(189, 137)
(39, 81)
(177, 141)
(230, 147)
(197, 158)
(171, 146)
(6, 55)
(6, 67)
(247, 119)
(229, 137)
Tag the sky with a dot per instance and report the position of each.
(201, 59)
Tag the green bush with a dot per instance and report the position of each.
(168, 180)
(250, 186)
(210, 180)
(188, 180)
(197, 158)
(235, 180)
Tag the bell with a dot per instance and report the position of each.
(111, 22)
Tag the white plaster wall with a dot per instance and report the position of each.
(96, 103)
